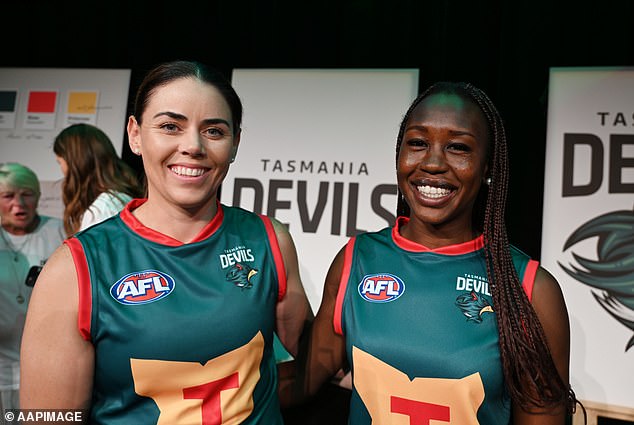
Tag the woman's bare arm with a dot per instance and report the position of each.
(321, 351)
(549, 304)
(56, 362)
(293, 311)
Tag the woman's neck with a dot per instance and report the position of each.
(433, 236)
(178, 223)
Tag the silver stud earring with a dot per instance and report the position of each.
(487, 181)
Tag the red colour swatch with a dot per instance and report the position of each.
(42, 101)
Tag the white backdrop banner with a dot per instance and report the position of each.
(318, 153)
(588, 225)
(37, 103)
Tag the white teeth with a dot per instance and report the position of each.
(433, 192)
(186, 171)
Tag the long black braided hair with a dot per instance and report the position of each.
(529, 370)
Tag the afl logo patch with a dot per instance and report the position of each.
(381, 288)
(142, 287)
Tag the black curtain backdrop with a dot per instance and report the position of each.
(504, 47)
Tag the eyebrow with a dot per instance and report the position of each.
(217, 121)
(173, 115)
(21, 191)
(453, 132)
(181, 117)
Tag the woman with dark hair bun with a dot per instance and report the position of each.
(166, 313)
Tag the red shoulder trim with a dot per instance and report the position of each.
(343, 284)
(528, 280)
(83, 285)
(277, 256)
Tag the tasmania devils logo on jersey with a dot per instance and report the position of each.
(381, 288)
(142, 287)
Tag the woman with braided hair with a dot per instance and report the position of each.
(439, 318)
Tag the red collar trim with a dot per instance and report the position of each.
(408, 245)
(136, 226)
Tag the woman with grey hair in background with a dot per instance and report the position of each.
(26, 241)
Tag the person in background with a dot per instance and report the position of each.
(97, 182)
(27, 239)
(439, 317)
(166, 313)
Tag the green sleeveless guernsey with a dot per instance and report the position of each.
(421, 334)
(183, 333)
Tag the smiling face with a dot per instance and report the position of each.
(442, 163)
(187, 142)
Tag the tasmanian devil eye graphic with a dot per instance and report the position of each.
(612, 273)
(473, 306)
(241, 274)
